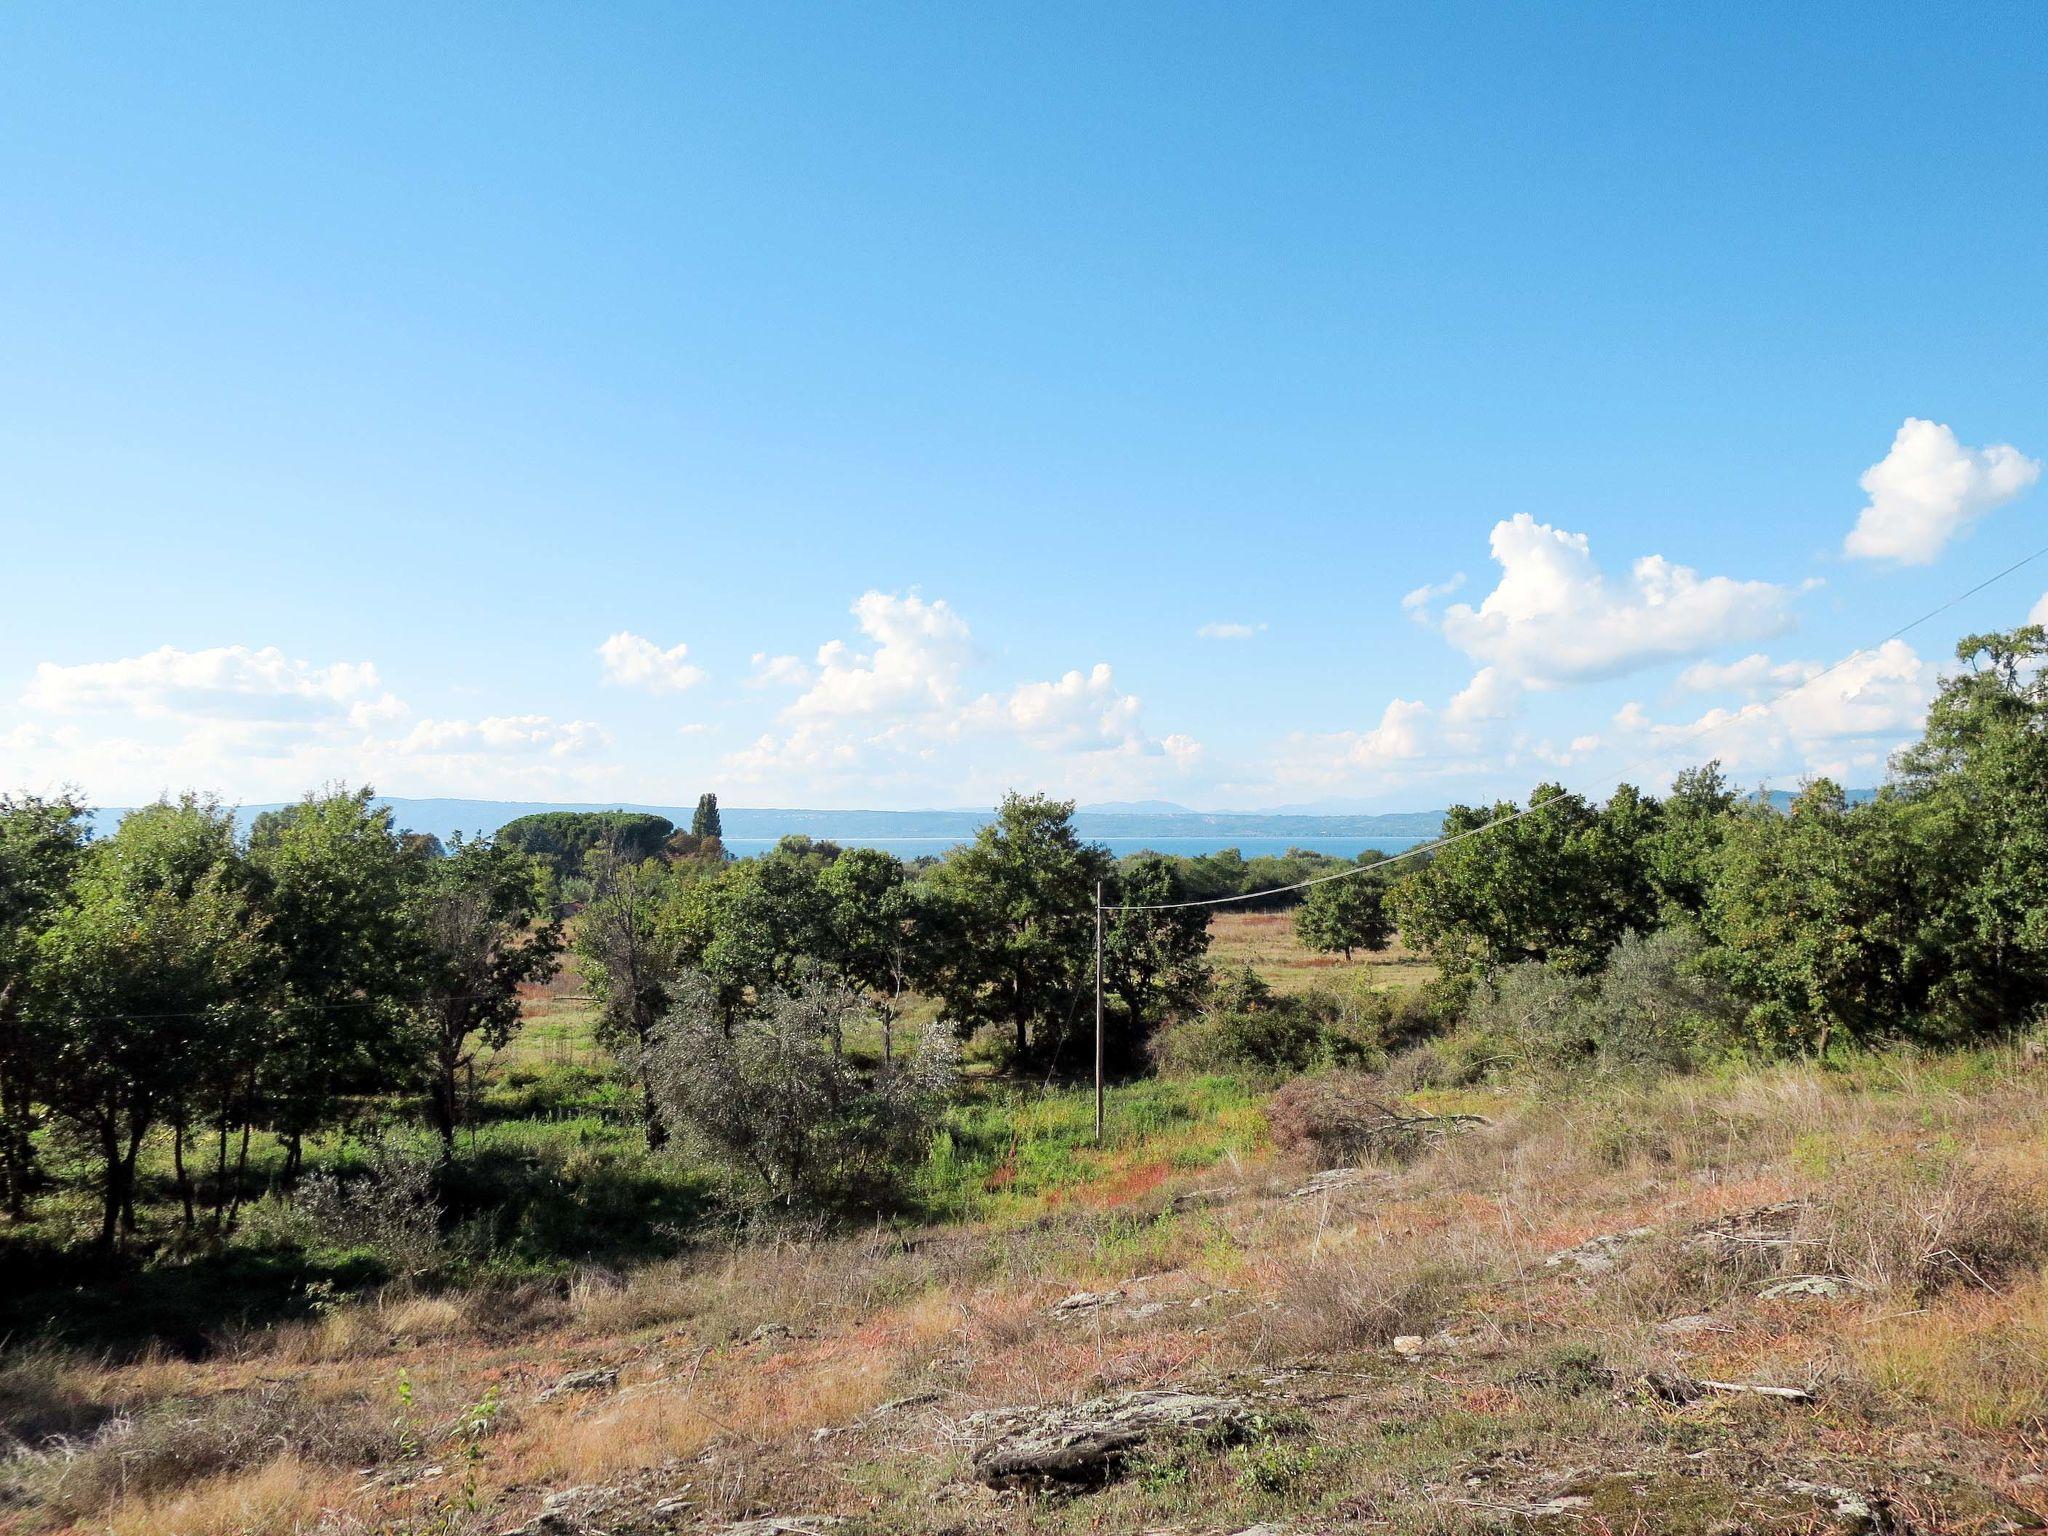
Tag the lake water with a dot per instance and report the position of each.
(1250, 847)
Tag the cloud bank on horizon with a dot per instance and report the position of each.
(904, 708)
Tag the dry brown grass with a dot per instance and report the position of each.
(1931, 1197)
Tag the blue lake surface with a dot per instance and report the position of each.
(1250, 847)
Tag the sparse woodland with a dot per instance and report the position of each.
(1662, 1163)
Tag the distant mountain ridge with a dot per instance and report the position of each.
(1121, 820)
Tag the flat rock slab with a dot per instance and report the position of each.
(1596, 1255)
(1091, 1442)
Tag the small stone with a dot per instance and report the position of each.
(767, 1332)
(1596, 1255)
(599, 1379)
(1411, 1345)
(1084, 1301)
(1092, 1442)
(1692, 1322)
(1826, 1287)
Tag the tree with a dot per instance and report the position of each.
(770, 1098)
(705, 822)
(482, 915)
(629, 946)
(1560, 884)
(1153, 962)
(333, 880)
(1819, 917)
(1681, 854)
(42, 843)
(1345, 915)
(1019, 904)
(137, 982)
(564, 840)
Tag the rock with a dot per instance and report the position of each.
(1762, 1226)
(1332, 1179)
(1196, 1199)
(1410, 1344)
(599, 1379)
(1596, 1255)
(783, 1525)
(1828, 1287)
(1092, 1442)
(1413, 1346)
(1691, 1323)
(767, 1332)
(1084, 1301)
(1863, 1513)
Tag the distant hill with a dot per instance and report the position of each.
(1123, 821)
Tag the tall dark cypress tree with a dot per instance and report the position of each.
(705, 823)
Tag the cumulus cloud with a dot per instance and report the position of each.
(1928, 489)
(508, 734)
(2038, 614)
(633, 661)
(227, 682)
(918, 653)
(1491, 695)
(1755, 673)
(1328, 759)
(1228, 630)
(1847, 719)
(894, 708)
(779, 672)
(1416, 604)
(1555, 617)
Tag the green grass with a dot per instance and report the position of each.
(1007, 1152)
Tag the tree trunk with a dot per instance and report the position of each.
(112, 1194)
(137, 1127)
(17, 1152)
(178, 1167)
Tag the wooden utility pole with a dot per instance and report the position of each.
(1098, 1013)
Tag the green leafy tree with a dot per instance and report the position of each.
(1560, 884)
(138, 980)
(564, 840)
(1341, 916)
(1154, 963)
(705, 823)
(334, 880)
(1819, 917)
(1682, 851)
(485, 924)
(630, 947)
(42, 842)
(1015, 924)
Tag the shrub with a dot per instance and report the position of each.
(1344, 1117)
(1248, 1027)
(389, 1209)
(1920, 1233)
(772, 1101)
(1354, 1300)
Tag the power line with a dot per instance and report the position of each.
(1622, 773)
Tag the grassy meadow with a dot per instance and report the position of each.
(1417, 1362)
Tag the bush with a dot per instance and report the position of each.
(390, 1210)
(1337, 1118)
(772, 1101)
(1248, 1027)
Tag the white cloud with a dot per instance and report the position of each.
(920, 649)
(779, 672)
(1753, 674)
(1416, 603)
(1491, 695)
(2038, 614)
(228, 682)
(1334, 758)
(633, 661)
(1227, 630)
(512, 734)
(1556, 618)
(1928, 488)
(1848, 719)
(893, 714)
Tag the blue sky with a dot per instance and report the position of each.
(873, 405)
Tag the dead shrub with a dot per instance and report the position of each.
(1917, 1234)
(179, 1443)
(1353, 1300)
(1344, 1117)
